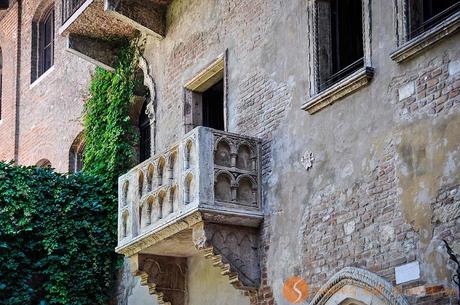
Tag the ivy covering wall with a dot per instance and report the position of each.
(58, 231)
(56, 237)
(110, 137)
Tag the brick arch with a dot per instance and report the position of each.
(358, 286)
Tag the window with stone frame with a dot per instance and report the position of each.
(77, 154)
(339, 50)
(421, 23)
(423, 15)
(205, 97)
(43, 44)
(340, 40)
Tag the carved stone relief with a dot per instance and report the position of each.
(165, 276)
(232, 248)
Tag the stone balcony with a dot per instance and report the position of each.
(96, 28)
(201, 196)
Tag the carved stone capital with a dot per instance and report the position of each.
(232, 248)
(165, 276)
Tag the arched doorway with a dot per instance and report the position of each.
(355, 286)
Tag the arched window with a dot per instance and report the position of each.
(45, 163)
(76, 154)
(144, 132)
(43, 43)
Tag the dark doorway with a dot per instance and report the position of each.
(144, 132)
(213, 106)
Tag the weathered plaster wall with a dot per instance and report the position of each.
(130, 291)
(204, 278)
(383, 187)
(205, 286)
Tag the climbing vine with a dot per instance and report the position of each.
(109, 134)
(57, 231)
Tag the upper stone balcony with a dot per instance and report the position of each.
(95, 28)
(201, 196)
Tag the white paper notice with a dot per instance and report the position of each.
(408, 272)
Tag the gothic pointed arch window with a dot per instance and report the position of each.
(144, 133)
(76, 154)
(43, 163)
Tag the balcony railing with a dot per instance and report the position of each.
(69, 7)
(209, 170)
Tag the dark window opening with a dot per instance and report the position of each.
(44, 163)
(340, 40)
(144, 132)
(77, 154)
(47, 42)
(425, 14)
(42, 45)
(213, 106)
(76, 159)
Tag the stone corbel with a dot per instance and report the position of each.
(165, 276)
(234, 250)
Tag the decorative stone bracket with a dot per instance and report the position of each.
(233, 249)
(165, 276)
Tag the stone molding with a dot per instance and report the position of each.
(418, 44)
(360, 278)
(207, 77)
(345, 87)
(313, 53)
(148, 239)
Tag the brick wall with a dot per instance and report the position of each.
(50, 108)
(8, 44)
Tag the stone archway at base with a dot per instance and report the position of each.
(355, 286)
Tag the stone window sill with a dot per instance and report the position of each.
(346, 86)
(42, 77)
(425, 40)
